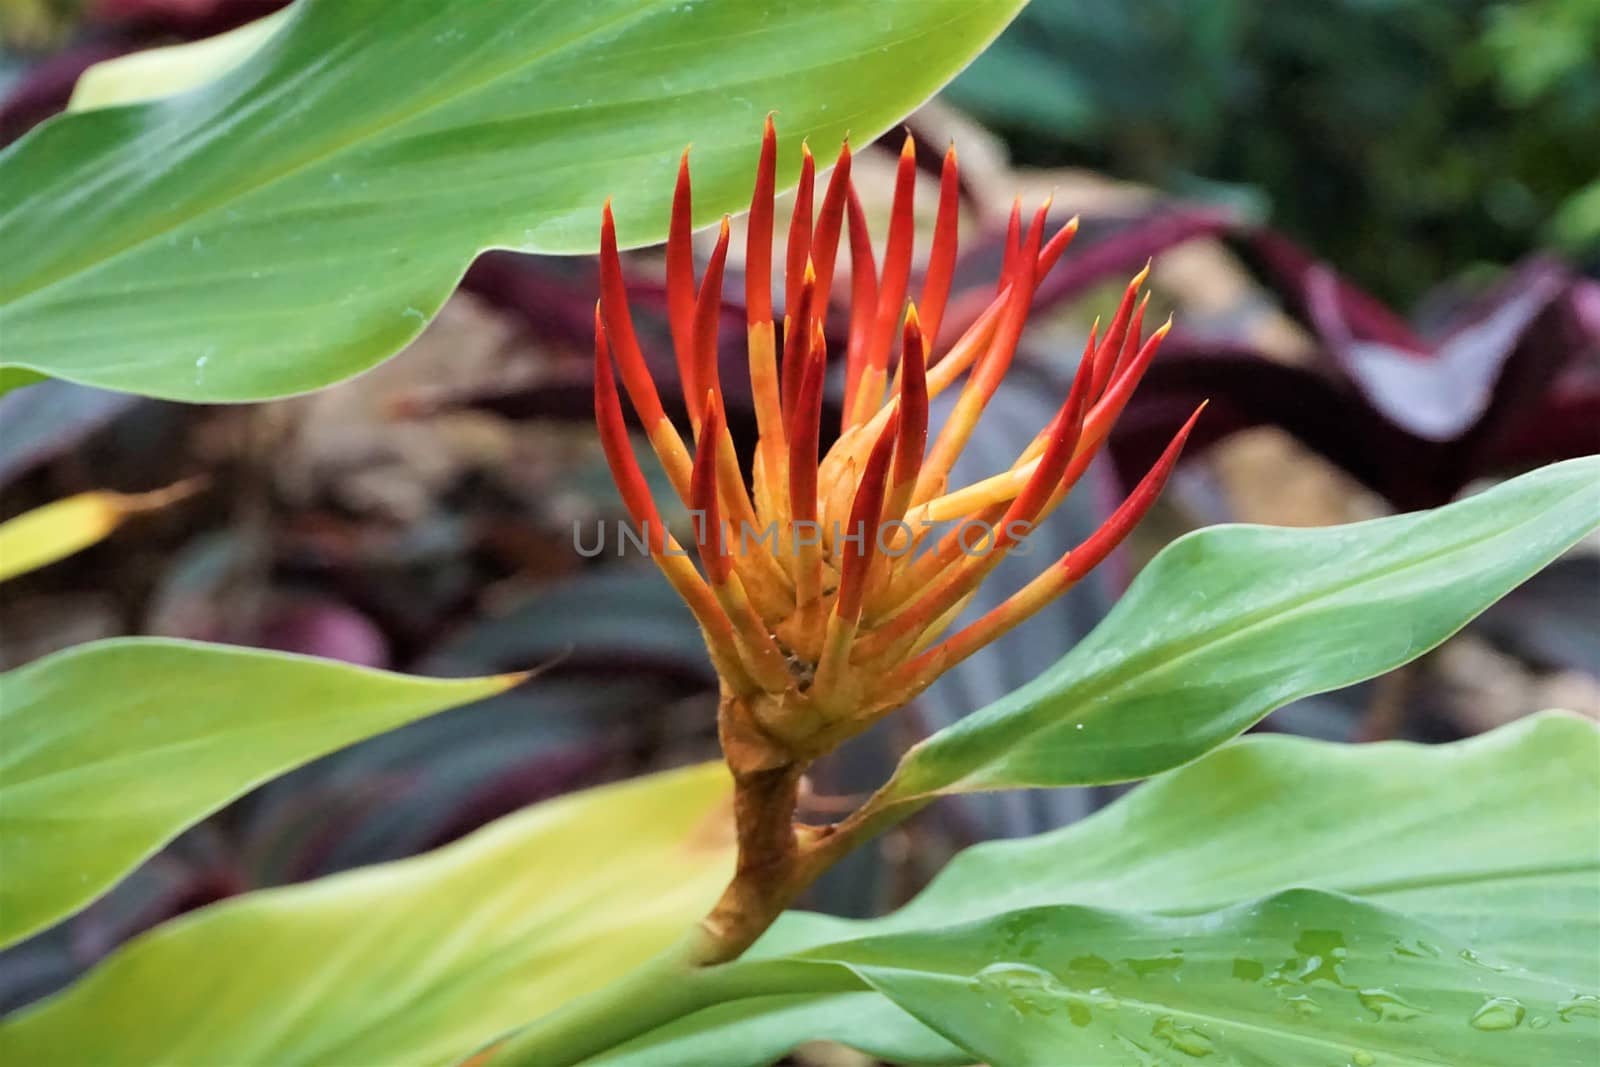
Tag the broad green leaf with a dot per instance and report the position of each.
(1231, 622)
(302, 215)
(56, 530)
(114, 747)
(1494, 842)
(158, 72)
(1303, 977)
(413, 962)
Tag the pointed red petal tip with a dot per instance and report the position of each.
(799, 247)
(865, 512)
(618, 320)
(866, 392)
(913, 441)
(1065, 430)
(635, 491)
(942, 256)
(1124, 381)
(680, 270)
(1013, 248)
(758, 243)
(1116, 333)
(703, 498)
(1100, 544)
(707, 319)
(863, 298)
(1057, 245)
(1090, 346)
(897, 252)
(991, 368)
(797, 339)
(830, 224)
(1135, 335)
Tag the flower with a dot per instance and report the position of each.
(827, 587)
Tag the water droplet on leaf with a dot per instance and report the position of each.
(1303, 1005)
(1389, 1007)
(1478, 961)
(1182, 1037)
(1581, 1006)
(1027, 990)
(1498, 1013)
(1416, 950)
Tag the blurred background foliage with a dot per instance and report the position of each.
(1402, 139)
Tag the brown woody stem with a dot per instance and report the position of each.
(778, 858)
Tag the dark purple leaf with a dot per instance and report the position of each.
(47, 86)
(184, 19)
(1442, 396)
(1314, 294)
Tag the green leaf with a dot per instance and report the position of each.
(114, 747)
(1496, 839)
(414, 962)
(1231, 622)
(301, 216)
(1303, 977)
(1493, 842)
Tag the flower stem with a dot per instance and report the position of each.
(778, 860)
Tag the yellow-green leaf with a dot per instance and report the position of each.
(414, 962)
(56, 530)
(114, 747)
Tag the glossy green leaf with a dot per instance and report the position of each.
(1496, 839)
(1492, 842)
(1231, 622)
(301, 216)
(413, 962)
(1303, 977)
(114, 747)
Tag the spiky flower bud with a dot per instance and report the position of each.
(824, 592)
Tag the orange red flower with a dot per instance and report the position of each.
(827, 586)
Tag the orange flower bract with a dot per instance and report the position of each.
(826, 588)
